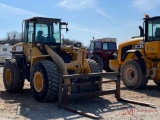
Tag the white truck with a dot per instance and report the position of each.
(5, 53)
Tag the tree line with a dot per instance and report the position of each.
(11, 38)
(14, 37)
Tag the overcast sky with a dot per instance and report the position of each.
(86, 18)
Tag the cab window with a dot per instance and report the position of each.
(105, 46)
(109, 46)
(153, 30)
(92, 47)
(30, 32)
(112, 46)
(56, 32)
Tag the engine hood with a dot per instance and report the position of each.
(133, 41)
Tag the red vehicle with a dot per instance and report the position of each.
(102, 50)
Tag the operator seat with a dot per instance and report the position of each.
(50, 39)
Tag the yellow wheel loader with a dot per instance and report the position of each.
(42, 60)
(139, 58)
(55, 71)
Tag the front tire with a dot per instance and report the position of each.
(133, 75)
(44, 80)
(11, 77)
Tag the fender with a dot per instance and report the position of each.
(60, 64)
(37, 58)
(139, 56)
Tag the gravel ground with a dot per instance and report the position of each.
(22, 106)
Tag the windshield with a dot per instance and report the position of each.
(109, 46)
(154, 30)
(48, 33)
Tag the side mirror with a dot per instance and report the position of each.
(141, 31)
(67, 29)
(66, 24)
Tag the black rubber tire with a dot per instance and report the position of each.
(98, 59)
(95, 68)
(16, 85)
(157, 83)
(137, 73)
(51, 77)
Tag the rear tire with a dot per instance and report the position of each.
(11, 77)
(94, 67)
(133, 75)
(98, 59)
(44, 80)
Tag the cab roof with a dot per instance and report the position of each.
(151, 18)
(37, 19)
(104, 40)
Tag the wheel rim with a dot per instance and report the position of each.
(8, 76)
(38, 81)
(130, 74)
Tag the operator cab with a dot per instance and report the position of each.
(103, 46)
(43, 30)
(152, 29)
(152, 37)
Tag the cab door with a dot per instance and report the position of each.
(152, 38)
(28, 35)
(91, 50)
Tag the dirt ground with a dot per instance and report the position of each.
(23, 106)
